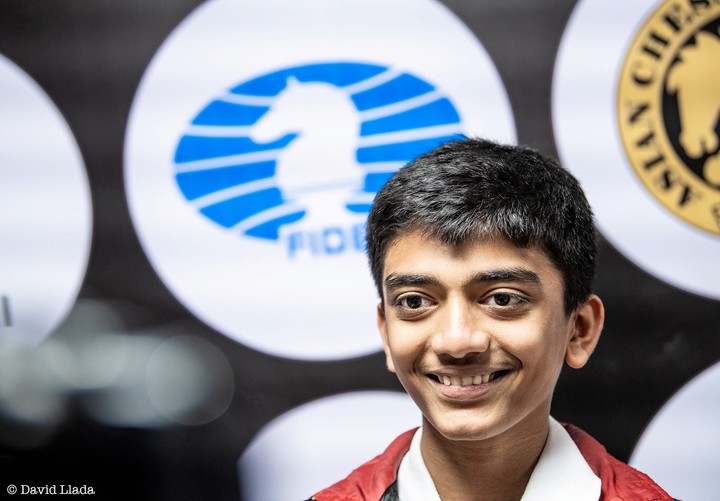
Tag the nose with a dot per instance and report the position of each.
(459, 331)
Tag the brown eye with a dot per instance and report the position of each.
(502, 299)
(413, 302)
(505, 300)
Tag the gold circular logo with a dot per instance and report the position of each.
(668, 105)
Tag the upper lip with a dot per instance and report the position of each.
(464, 371)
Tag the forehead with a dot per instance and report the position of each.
(414, 252)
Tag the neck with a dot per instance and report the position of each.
(492, 469)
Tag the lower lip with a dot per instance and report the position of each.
(469, 392)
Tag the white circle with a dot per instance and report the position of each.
(246, 288)
(45, 209)
(590, 57)
(315, 445)
(680, 448)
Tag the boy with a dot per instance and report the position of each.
(483, 256)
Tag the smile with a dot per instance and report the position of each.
(467, 380)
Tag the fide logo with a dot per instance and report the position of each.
(668, 102)
(297, 155)
(252, 159)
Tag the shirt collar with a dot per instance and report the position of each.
(413, 480)
(561, 473)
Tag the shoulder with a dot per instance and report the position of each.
(619, 480)
(373, 478)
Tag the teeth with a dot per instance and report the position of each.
(465, 380)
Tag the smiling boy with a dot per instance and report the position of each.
(484, 256)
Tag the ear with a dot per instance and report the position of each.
(382, 327)
(587, 325)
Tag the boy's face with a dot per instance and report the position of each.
(477, 333)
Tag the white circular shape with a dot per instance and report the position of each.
(45, 209)
(313, 446)
(590, 58)
(317, 303)
(680, 448)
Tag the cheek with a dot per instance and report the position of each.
(549, 356)
(534, 341)
(405, 347)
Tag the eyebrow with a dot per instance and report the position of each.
(394, 281)
(517, 275)
(520, 275)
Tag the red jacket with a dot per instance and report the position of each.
(620, 482)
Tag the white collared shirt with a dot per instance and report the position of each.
(561, 473)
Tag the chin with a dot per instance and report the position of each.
(465, 430)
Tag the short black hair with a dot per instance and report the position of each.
(477, 189)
